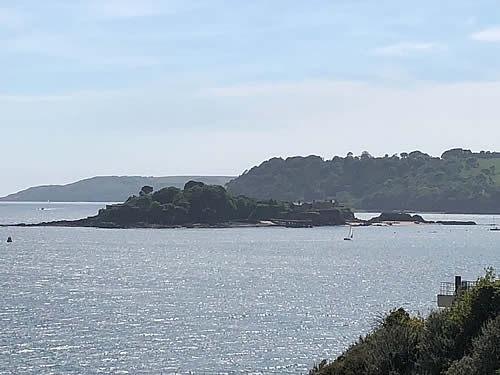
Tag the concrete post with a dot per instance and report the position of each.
(458, 284)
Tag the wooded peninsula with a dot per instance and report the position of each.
(459, 181)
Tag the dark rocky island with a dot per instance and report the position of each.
(402, 217)
(200, 205)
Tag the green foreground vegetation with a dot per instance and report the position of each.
(209, 205)
(461, 340)
(458, 181)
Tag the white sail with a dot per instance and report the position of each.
(350, 235)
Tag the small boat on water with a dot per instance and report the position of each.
(9, 239)
(350, 235)
(494, 225)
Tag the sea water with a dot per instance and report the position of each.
(239, 300)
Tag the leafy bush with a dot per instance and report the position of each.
(463, 339)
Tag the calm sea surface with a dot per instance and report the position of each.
(251, 300)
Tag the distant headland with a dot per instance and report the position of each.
(105, 188)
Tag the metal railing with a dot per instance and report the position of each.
(468, 285)
(448, 288)
(240, 372)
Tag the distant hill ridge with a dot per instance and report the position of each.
(459, 181)
(106, 188)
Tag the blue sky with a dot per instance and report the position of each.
(150, 87)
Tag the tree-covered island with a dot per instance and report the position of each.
(199, 204)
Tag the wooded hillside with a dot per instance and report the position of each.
(457, 181)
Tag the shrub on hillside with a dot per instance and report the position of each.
(463, 339)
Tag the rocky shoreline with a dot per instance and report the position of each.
(399, 218)
(384, 219)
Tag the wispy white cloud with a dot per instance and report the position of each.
(491, 34)
(276, 107)
(405, 49)
(337, 117)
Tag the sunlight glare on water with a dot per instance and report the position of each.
(262, 300)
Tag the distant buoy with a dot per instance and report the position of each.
(9, 239)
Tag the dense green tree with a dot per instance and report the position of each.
(146, 190)
(190, 184)
(485, 356)
(166, 195)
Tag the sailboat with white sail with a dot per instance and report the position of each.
(495, 228)
(350, 234)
